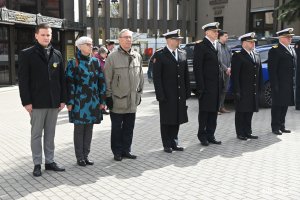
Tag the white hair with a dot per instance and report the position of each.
(83, 40)
(123, 31)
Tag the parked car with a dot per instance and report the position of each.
(265, 98)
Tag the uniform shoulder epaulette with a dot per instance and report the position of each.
(198, 41)
(237, 52)
(159, 49)
(275, 46)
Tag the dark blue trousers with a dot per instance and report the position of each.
(122, 126)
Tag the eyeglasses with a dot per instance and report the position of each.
(127, 37)
(88, 44)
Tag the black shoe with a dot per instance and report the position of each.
(241, 137)
(252, 136)
(283, 130)
(129, 155)
(53, 166)
(88, 161)
(168, 150)
(177, 148)
(37, 171)
(277, 132)
(214, 141)
(204, 142)
(81, 163)
(117, 157)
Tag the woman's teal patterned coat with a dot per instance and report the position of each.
(86, 89)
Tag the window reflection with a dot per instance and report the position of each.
(4, 62)
(29, 6)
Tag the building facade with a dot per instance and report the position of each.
(18, 19)
(241, 16)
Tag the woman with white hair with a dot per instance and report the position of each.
(86, 97)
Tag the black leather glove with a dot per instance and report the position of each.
(109, 103)
(237, 96)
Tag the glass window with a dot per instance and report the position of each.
(29, 6)
(4, 59)
(50, 8)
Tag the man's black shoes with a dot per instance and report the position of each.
(118, 157)
(88, 161)
(129, 155)
(252, 136)
(177, 148)
(204, 142)
(37, 171)
(214, 141)
(53, 166)
(241, 137)
(81, 163)
(283, 130)
(277, 132)
(168, 150)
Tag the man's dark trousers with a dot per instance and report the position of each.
(278, 114)
(243, 123)
(122, 126)
(207, 125)
(169, 135)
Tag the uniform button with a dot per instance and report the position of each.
(254, 84)
(177, 65)
(178, 97)
(178, 76)
(178, 86)
(254, 93)
(255, 75)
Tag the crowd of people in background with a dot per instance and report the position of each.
(98, 80)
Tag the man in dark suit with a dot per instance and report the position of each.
(171, 82)
(43, 94)
(281, 67)
(246, 73)
(208, 81)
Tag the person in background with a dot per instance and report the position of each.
(101, 56)
(43, 94)
(281, 68)
(208, 82)
(125, 81)
(172, 89)
(224, 55)
(95, 50)
(247, 83)
(110, 45)
(86, 97)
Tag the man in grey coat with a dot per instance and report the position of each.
(224, 55)
(124, 81)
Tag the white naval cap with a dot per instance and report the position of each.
(285, 32)
(173, 34)
(213, 25)
(248, 37)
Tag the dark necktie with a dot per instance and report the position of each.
(173, 52)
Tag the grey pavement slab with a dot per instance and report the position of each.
(267, 168)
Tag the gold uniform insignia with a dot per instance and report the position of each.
(54, 65)
(275, 46)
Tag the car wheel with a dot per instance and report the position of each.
(265, 97)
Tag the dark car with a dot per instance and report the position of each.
(265, 98)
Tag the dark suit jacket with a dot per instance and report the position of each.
(41, 81)
(297, 99)
(246, 75)
(172, 86)
(281, 67)
(207, 75)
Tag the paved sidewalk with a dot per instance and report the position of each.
(267, 168)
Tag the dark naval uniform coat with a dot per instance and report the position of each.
(209, 85)
(172, 87)
(297, 92)
(247, 80)
(207, 75)
(281, 67)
